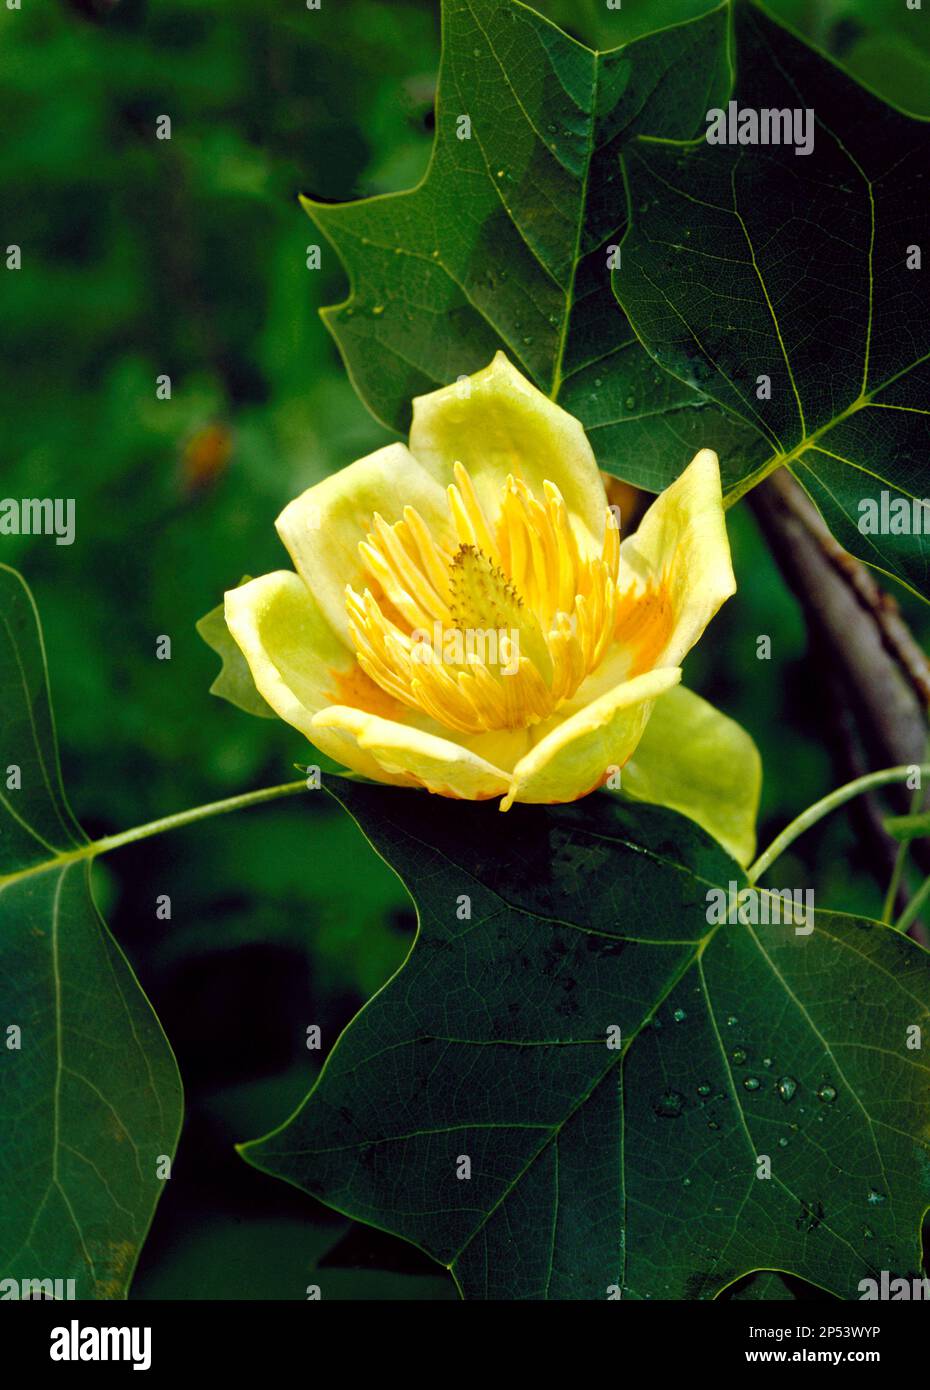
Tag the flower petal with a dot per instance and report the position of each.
(322, 527)
(295, 658)
(703, 764)
(679, 558)
(499, 423)
(576, 755)
(401, 750)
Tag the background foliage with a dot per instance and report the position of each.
(188, 257)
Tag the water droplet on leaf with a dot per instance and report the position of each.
(669, 1105)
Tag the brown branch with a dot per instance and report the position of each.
(857, 634)
(883, 608)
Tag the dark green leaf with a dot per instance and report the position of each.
(745, 262)
(89, 1090)
(765, 1287)
(591, 1167)
(504, 244)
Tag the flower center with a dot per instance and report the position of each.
(496, 631)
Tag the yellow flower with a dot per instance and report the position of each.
(465, 618)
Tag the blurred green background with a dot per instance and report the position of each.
(188, 257)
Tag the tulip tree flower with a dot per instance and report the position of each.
(464, 617)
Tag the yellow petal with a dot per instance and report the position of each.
(497, 423)
(295, 659)
(703, 764)
(322, 527)
(576, 756)
(401, 750)
(681, 554)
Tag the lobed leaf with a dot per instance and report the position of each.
(595, 1169)
(90, 1096)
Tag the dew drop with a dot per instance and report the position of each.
(679, 1015)
(875, 1198)
(783, 1143)
(786, 1087)
(704, 1088)
(752, 1083)
(827, 1094)
(732, 1021)
(669, 1105)
(739, 1056)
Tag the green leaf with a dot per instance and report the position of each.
(908, 827)
(748, 262)
(504, 244)
(89, 1090)
(636, 1167)
(767, 1287)
(234, 682)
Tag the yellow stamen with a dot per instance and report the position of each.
(500, 631)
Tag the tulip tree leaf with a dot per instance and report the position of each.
(475, 1108)
(505, 242)
(748, 262)
(765, 1287)
(89, 1091)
